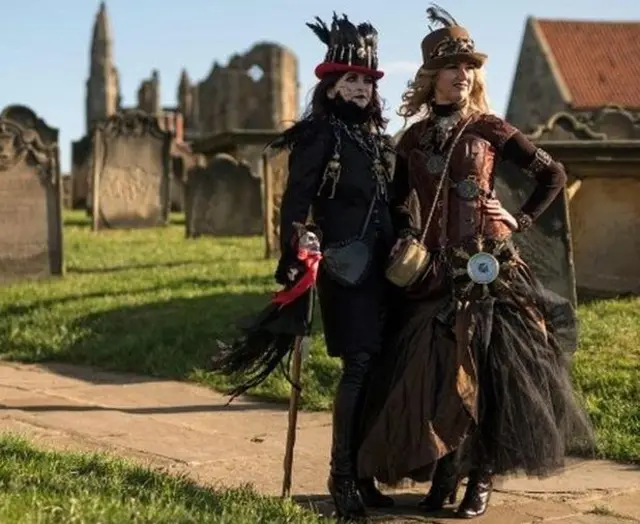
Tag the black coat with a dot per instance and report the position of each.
(339, 217)
(351, 315)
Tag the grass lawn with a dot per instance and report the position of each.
(151, 302)
(50, 487)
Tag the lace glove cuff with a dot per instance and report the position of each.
(524, 221)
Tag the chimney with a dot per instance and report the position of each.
(179, 127)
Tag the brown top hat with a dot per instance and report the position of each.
(451, 44)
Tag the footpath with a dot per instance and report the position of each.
(184, 428)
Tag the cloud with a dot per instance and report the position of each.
(391, 68)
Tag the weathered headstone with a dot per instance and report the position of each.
(275, 172)
(546, 246)
(30, 197)
(183, 160)
(130, 172)
(223, 198)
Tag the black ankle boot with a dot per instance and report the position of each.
(342, 480)
(346, 498)
(477, 495)
(444, 486)
(371, 495)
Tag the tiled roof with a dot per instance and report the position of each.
(599, 62)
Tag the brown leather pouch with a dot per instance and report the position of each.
(408, 263)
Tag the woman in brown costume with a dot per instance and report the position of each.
(476, 382)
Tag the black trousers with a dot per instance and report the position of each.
(353, 319)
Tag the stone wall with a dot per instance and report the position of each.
(256, 90)
(604, 195)
(605, 221)
(535, 93)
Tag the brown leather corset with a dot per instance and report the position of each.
(471, 175)
(471, 181)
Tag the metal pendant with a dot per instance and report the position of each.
(435, 164)
(381, 176)
(483, 268)
(468, 189)
(378, 168)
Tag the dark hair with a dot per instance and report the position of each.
(320, 105)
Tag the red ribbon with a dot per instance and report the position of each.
(311, 260)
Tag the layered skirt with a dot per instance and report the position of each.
(483, 371)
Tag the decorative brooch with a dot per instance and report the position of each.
(482, 268)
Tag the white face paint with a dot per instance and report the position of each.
(454, 83)
(354, 87)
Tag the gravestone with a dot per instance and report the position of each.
(546, 246)
(183, 160)
(30, 197)
(223, 198)
(130, 184)
(275, 171)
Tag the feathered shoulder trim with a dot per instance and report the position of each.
(387, 143)
(306, 130)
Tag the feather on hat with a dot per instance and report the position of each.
(349, 47)
(449, 43)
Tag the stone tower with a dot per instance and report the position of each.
(103, 90)
(149, 94)
(283, 86)
(185, 97)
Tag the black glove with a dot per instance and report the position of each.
(289, 270)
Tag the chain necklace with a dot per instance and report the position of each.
(439, 130)
(367, 142)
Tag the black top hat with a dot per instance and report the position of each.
(349, 47)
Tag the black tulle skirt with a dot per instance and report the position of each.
(528, 416)
(488, 379)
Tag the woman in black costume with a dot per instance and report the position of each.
(476, 383)
(339, 168)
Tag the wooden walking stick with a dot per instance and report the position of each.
(294, 400)
(308, 244)
(281, 328)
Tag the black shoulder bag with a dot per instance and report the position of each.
(347, 262)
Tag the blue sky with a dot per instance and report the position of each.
(45, 43)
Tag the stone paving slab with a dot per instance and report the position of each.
(625, 505)
(185, 428)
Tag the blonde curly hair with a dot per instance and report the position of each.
(421, 91)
